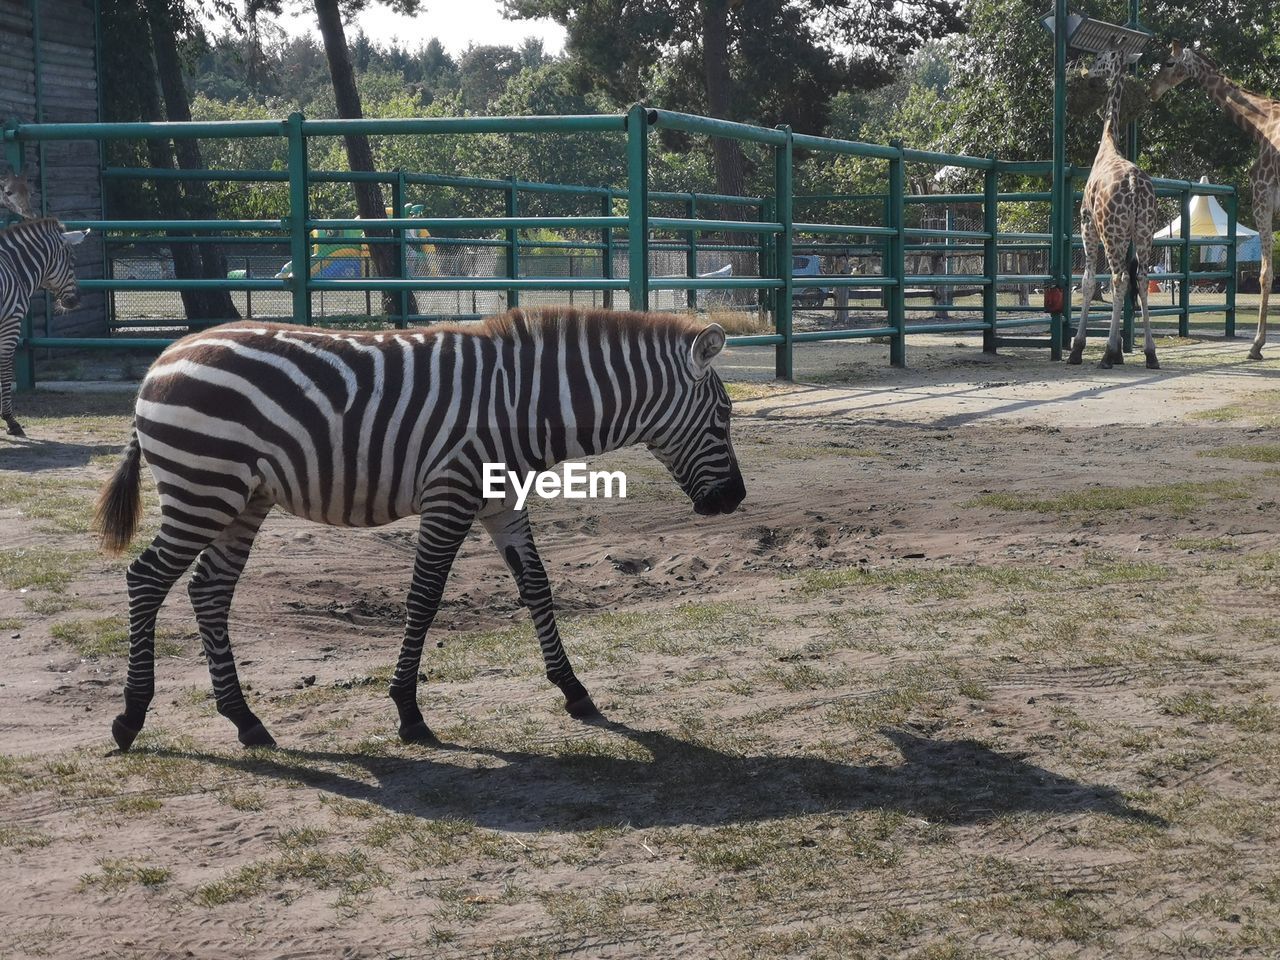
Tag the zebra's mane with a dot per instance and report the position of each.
(546, 321)
(24, 227)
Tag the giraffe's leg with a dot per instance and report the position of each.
(440, 534)
(8, 345)
(149, 579)
(1142, 255)
(212, 585)
(1263, 211)
(1088, 283)
(1116, 262)
(513, 537)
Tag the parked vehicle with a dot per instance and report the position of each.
(808, 297)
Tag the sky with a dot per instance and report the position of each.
(458, 24)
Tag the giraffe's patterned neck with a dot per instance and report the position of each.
(1253, 113)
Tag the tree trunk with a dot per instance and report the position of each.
(726, 154)
(186, 265)
(359, 155)
(217, 304)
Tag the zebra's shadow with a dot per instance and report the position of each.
(656, 779)
(33, 454)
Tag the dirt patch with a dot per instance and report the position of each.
(949, 684)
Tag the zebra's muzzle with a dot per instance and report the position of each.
(722, 499)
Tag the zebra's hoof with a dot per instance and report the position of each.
(582, 708)
(15, 428)
(418, 733)
(1254, 354)
(1152, 362)
(257, 736)
(123, 734)
(1076, 355)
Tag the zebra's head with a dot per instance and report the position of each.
(693, 443)
(60, 272)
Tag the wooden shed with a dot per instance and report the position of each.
(49, 74)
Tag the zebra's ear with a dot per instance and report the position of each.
(73, 237)
(705, 346)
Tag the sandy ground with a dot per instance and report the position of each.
(986, 665)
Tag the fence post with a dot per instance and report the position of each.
(1184, 291)
(691, 255)
(298, 216)
(1232, 241)
(990, 255)
(768, 268)
(402, 260)
(896, 268)
(638, 206)
(513, 243)
(1060, 325)
(782, 364)
(606, 268)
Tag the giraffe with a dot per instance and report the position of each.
(1119, 209)
(1259, 117)
(15, 195)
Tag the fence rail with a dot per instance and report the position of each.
(624, 233)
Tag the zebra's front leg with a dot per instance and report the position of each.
(439, 537)
(8, 344)
(513, 537)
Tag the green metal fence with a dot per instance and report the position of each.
(623, 218)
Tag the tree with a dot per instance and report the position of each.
(723, 57)
(141, 40)
(216, 304)
(346, 96)
(483, 73)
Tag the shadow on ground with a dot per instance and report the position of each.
(685, 783)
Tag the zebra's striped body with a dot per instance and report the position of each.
(33, 255)
(358, 429)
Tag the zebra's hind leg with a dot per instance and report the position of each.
(212, 585)
(149, 579)
(440, 534)
(513, 537)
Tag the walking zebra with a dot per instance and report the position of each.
(359, 429)
(33, 254)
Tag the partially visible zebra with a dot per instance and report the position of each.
(359, 429)
(34, 254)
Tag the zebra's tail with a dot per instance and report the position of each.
(1133, 283)
(120, 502)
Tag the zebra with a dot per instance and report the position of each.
(34, 254)
(362, 428)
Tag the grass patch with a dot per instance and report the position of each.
(1176, 499)
(1264, 404)
(1252, 452)
(108, 637)
(22, 838)
(1257, 716)
(956, 582)
(350, 872)
(40, 568)
(756, 391)
(65, 505)
(117, 874)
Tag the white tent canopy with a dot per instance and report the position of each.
(1208, 219)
